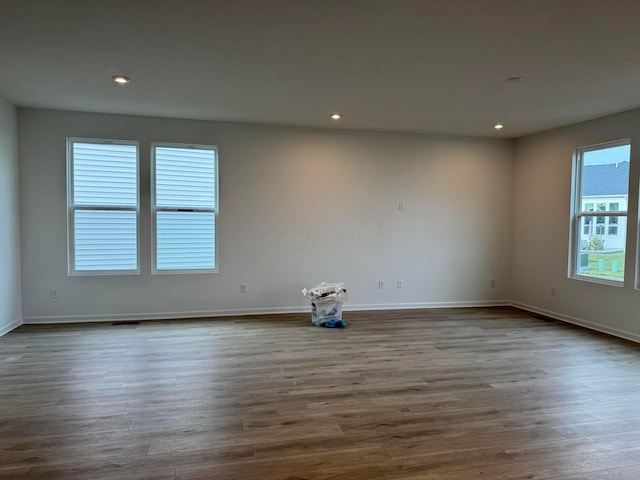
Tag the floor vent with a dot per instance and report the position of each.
(125, 322)
(546, 319)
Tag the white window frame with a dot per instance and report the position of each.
(577, 214)
(155, 209)
(72, 207)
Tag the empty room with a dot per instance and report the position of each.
(179, 178)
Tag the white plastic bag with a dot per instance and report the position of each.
(326, 301)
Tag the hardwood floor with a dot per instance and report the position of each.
(492, 393)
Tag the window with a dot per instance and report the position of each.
(102, 206)
(599, 233)
(185, 207)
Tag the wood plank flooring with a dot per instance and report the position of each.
(451, 394)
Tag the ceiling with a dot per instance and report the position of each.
(435, 66)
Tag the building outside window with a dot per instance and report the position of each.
(601, 188)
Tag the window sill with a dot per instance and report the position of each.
(183, 272)
(602, 281)
(103, 273)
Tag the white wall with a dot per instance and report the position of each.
(298, 206)
(542, 195)
(10, 297)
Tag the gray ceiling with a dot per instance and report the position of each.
(436, 66)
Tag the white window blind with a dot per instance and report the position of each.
(103, 206)
(185, 207)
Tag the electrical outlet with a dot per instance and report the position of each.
(553, 291)
(493, 283)
(53, 293)
(380, 284)
(401, 206)
(399, 284)
(243, 288)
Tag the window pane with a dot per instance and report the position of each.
(602, 251)
(602, 181)
(185, 177)
(605, 173)
(105, 240)
(185, 241)
(105, 174)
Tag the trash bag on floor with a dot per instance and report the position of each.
(326, 304)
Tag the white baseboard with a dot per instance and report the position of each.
(37, 319)
(13, 325)
(427, 305)
(120, 317)
(634, 337)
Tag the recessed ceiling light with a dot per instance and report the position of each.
(121, 79)
(336, 116)
(498, 126)
(514, 79)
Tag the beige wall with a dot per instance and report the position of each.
(298, 206)
(542, 196)
(10, 297)
(303, 205)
